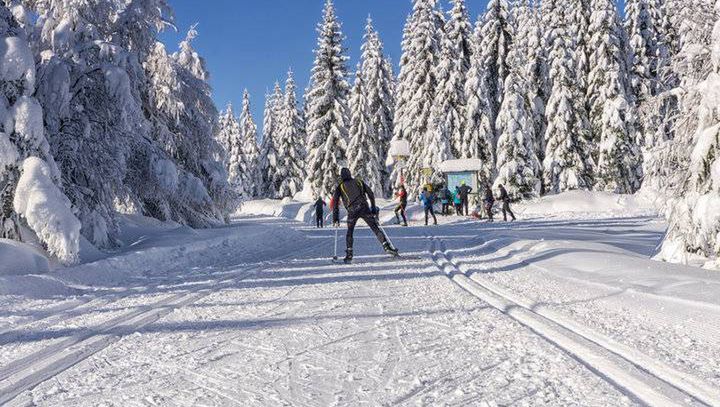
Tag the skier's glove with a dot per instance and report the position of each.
(375, 210)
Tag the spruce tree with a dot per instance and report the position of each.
(417, 87)
(478, 139)
(518, 167)
(566, 165)
(269, 145)
(231, 134)
(363, 151)
(291, 139)
(378, 79)
(612, 116)
(496, 34)
(327, 112)
(252, 179)
(455, 61)
(535, 70)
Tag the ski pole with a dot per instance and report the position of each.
(336, 239)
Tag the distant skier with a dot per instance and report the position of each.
(355, 194)
(489, 202)
(319, 212)
(464, 191)
(400, 209)
(457, 202)
(445, 196)
(505, 199)
(333, 203)
(427, 199)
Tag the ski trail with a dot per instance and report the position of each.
(628, 376)
(26, 373)
(688, 383)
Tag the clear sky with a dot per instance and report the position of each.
(252, 43)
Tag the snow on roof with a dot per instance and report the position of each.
(468, 164)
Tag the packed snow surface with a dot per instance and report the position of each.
(549, 310)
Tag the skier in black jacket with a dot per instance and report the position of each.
(319, 212)
(505, 198)
(355, 194)
(489, 201)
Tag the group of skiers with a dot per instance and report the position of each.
(459, 200)
(355, 194)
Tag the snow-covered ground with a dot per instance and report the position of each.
(564, 307)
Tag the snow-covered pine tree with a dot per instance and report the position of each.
(535, 70)
(196, 156)
(379, 89)
(230, 136)
(363, 147)
(327, 115)
(478, 139)
(223, 135)
(496, 35)
(566, 165)
(251, 152)
(518, 167)
(642, 43)
(29, 178)
(268, 148)
(612, 116)
(694, 222)
(455, 60)
(290, 143)
(417, 87)
(449, 104)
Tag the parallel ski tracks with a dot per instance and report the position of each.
(640, 377)
(28, 372)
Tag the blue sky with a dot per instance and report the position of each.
(252, 43)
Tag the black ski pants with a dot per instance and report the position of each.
(430, 211)
(400, 211)
(465, 205)
(362, 212)
(319, 220)
(506, 210)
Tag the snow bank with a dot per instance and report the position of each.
(588, 204)
(47, 211)
(286, 208)
(21, 259)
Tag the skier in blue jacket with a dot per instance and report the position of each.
(427, 200)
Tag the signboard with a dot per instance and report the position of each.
(455, 179)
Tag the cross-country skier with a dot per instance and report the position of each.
(464, 191)
(400, 209)
(355, 194)
(505, 199)
(319, 212)
(428, 199)
(489, 201)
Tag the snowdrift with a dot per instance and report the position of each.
(586, 204)
(21, 259)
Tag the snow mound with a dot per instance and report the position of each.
(288, 209)
(47, 211)
(21, 259)
(590, 204)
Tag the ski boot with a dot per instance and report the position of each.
(348, 257)
(390, 250)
